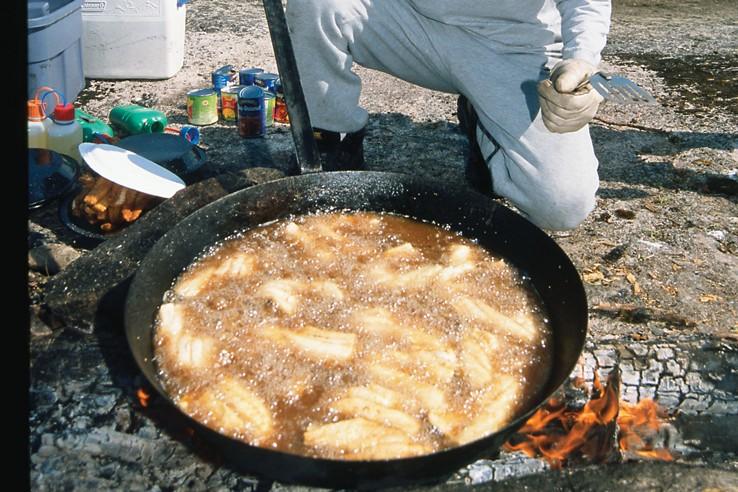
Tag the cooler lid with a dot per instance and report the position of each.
(44, 12)
(50, 175)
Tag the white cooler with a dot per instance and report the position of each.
(133, 39)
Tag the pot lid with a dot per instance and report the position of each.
(50, 175)
(130, 170)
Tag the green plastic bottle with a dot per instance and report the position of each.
(132, 119)
(91, 125)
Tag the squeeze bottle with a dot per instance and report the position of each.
(38, 125)
(65, 133)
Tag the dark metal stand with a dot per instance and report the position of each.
(306, 149)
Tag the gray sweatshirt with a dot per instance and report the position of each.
(567, 28)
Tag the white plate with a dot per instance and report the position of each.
(131, 170)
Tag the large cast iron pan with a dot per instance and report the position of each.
(494, 226)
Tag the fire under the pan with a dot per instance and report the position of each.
(353, 336)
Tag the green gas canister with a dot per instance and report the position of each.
(92, 125)
(132, 119)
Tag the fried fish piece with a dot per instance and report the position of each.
(363, 439)
(326, 231)
(310, 244)
(432, 398)
(417, 278)
(185, 349)
(460, 254)
(369, 409)
(171, 319)
(478, 310)
(405, 250)
(191, 283)
(327, 288)
(454, 271)
(315, 343)
(422, 351)
(98, 191)
(238, 265)
(357, 222)
(496, 407)
(418, 339)
(446, 422)
(439, 365)
(477, 349)
(232, 408)
(283, 293)
(378, 394)
(117, 200)
(375, 320)
(194, 352)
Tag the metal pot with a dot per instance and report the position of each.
(493, 226)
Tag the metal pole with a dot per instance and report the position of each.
(306, 149)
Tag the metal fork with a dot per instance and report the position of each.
(618, 89)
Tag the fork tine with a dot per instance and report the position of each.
(645, 95)
(617, 95)
(638, 93)
(619, 89)
(632, 95)
(635, 92)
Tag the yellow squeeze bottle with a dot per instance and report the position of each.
(38, 125)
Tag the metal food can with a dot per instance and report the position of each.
(269, 108)
(280, 109)
(229, 102)
(251, 112)
(247, 76)
(202, 106)
(267, 81)
(223, 77)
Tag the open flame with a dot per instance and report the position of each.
(558, 433)
(143, 397)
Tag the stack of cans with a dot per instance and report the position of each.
(249, 96)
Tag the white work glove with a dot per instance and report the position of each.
(565, 106)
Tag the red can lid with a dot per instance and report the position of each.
(64, 112)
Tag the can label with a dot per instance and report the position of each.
(251, 116)
(229, 102)
(202, 107)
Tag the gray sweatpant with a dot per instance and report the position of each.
(551, 178)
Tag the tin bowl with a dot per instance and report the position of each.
(51, 175)
(170, 151)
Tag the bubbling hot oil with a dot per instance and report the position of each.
(329, 317)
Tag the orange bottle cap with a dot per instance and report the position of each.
(35, 110)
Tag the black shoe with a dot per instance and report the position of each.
(341, 154)
(477, 173)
